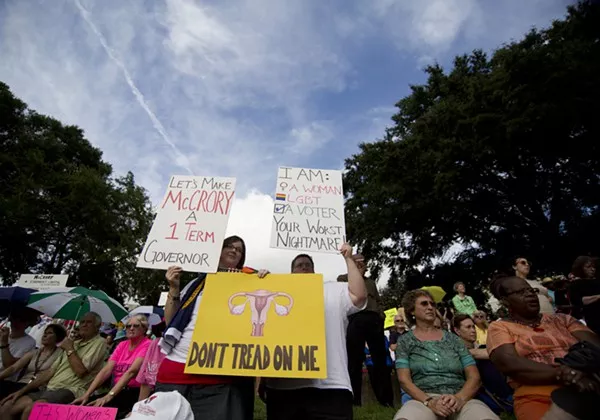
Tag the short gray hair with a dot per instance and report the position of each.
(97, 318)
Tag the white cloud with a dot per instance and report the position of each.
(232, 88)
(251, 218)
(311, 137)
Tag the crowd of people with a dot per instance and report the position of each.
(450, 361)
(538, 359)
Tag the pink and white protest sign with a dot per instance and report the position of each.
(45, 411)
(190, 224)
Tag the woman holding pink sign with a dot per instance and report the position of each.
(211, 397)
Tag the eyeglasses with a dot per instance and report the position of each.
(132, 326)
(239, 250)
(427, 303)
(523, 292)
(523, 262)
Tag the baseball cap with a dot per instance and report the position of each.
(163, 406)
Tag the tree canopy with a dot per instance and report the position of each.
(61, 211)
(499, 155)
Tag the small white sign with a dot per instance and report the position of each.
(42, 282)
(189, 228)
(162, 300)
(308, 213)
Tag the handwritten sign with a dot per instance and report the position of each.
(308, 213)
(190, 224)
(42, 281)
(45, 411)
(261, 328)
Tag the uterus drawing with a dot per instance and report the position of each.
(260, 301)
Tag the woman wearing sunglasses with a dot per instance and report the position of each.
(123, 365)
(435, 368)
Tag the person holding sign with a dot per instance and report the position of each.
(331, 397)
(367, 326)
(211, 397)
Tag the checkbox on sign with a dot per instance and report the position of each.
(280, 208)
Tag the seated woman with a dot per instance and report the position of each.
(123, 365)
(435, 368)
(35, 362)
(523, 347)
(495, 392)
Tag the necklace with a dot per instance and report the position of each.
(38, 364)
(531, 324)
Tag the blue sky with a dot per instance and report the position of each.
(239, 87)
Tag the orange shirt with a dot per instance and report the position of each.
(552, 340)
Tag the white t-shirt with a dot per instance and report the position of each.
(18, 347)
(180, 351)
(338, 306)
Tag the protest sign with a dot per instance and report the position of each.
(42, 281)
(269, 327)
(308, 214)
(45, 411)
(389, 317)
(190, 224)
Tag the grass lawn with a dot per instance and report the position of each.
(367, 412)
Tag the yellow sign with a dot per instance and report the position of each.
(269, 327)
(389, 317)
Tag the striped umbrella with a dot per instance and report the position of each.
(72, 302)
(154, 314)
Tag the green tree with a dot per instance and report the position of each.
(60, 209)
(499, 155)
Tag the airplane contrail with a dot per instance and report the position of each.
(136, 92)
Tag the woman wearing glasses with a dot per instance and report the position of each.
(522, 268)
(210, 396)
(435, 368)
(123, 365)
(525, 344)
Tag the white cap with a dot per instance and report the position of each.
(163, 406)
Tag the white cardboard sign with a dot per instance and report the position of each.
(308, 213)
(42, 281)
(190, 224)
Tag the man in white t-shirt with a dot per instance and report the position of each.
(14, 343)
(331, 397)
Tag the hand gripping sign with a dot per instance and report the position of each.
(232, 335)
(260, 302)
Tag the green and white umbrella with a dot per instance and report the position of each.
(73, 302)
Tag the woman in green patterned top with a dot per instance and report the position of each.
(435, 368)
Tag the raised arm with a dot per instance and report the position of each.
(356, 282)
(173, 297)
